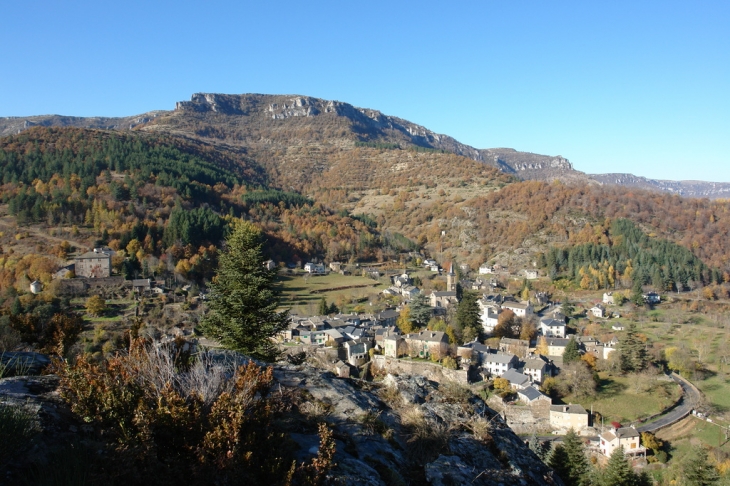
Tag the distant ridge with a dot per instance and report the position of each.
(247, 119)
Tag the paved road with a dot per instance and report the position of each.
(688, 401)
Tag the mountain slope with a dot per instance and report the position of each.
(258, 120)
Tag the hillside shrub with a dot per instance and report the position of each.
(173, 417)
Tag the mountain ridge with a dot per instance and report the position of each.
(348, 123)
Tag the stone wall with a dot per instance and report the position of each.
(432, 371)
(524, 419)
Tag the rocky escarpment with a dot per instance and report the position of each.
(13, 125)
(403, 430)
(367, 124)
(712, 190)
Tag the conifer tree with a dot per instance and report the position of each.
(420, 310)
(618, 472)
(632, 351)
(323, 307)
(558, 461)
(576, 456)
(696, 469)
(569, 460)
(571, 352)
(243, 304)
(467, 315)
(538, 448)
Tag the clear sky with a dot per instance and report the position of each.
(619, 86)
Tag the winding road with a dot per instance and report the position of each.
(688, 401)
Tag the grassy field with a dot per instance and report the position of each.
(617, 401)
(303, 294)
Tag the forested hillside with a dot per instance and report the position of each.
(327, 186)
(163, 200)
(627, 254)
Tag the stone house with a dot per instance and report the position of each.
(141, 285)
(94, 264)
(531, 395)
(517, 380)
(537, 369)
(608, 298)
(392, 345)
(498, 364)
(531, 274)
(314, 268)
(556, 346)
(628, 437)
(489, 314)
(521, 309)
(443, 299)
(387, 318)
(485, 269)
(357, 353)
(36, 287)
(427, 343)
(519, 347)
(269, 264)
(550, 327)
(342, 370)
(598, 310)
(565, 417)
(477, 352)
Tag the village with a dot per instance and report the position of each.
(371, 345)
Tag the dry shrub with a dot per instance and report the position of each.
(391, 395)
(426, 438)
(174, 418)
(453, 392)
(481, 428)
(54, 335)
(315, 410)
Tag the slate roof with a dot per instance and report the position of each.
(444, 293)
(429, 336)
(500, 358)
(515, 377)
(550, 322)
(535, 364)
(531, 393)
(576, 409)
(558, 341)
(388, 314)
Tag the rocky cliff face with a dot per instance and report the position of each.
(699, 189)
(404, 430)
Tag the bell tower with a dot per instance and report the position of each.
(451, 279)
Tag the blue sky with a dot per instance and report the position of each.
(621, 86)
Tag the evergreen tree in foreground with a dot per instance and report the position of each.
(618, 472)
(569, 460)
(243, 303)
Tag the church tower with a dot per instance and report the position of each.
(451, 279)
